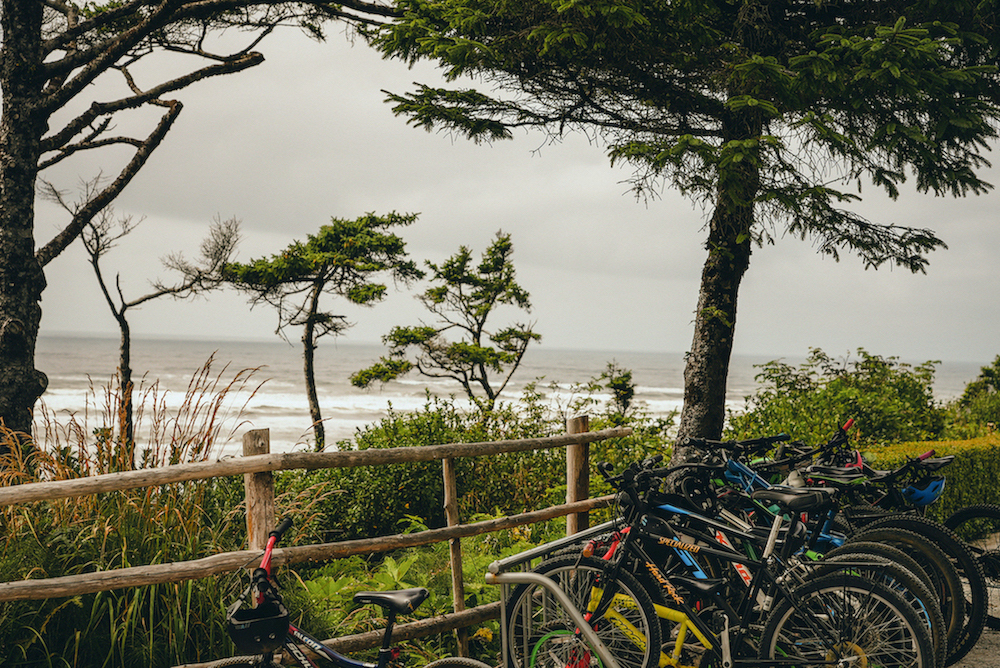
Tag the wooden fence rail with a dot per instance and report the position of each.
(138, 576)
(286, 461)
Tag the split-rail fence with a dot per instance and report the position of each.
(257, 465)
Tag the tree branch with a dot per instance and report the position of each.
(98, 109)
(87, 212)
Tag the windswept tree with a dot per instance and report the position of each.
(197, 277)
(772, 113)
(346, 259)
(73, 74)
(461, 345)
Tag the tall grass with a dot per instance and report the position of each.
(147, 626)
(170, 624)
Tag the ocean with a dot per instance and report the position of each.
(80, 368)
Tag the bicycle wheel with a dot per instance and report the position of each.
(944, 574)
(969, 570)
(893, 554)
(457, 662)
(541, 633)
(979, 527)
(846, 619)
(900, 580)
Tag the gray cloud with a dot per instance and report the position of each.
(307, 136)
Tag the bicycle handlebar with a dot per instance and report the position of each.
(272, 540)
(752, 445)
(282, 527)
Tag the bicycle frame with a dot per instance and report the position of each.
(297, 636)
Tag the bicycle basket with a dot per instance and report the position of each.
(260, 629)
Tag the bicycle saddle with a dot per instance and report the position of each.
(795, 499)
(400, 601)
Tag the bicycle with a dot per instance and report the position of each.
(781, 620)
(263, 629)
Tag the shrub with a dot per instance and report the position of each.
(977, 411)
(506, 484)
(889, 400)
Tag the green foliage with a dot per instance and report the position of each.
(151, 626)
(693, 92)
(889, 400)
(463, 298)
(341, 259)
(977, 412)
(513, 483)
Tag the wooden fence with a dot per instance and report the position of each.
(256, 466)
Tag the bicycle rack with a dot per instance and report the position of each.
(499, 573)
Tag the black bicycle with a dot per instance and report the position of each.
(258, 623)
(648, 611)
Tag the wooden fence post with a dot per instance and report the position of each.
(455, 545)
(577, 473)
(259, 488)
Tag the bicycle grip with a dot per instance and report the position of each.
(848, 424)
(929, 453)
(282, 527)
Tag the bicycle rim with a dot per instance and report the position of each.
(541, 634)
(971, 572)
(848, 618)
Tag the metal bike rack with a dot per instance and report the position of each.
(500, 573)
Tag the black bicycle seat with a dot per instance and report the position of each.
(400, 601)
(795, 499)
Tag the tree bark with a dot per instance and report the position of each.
(707, 366)
(126, 429)
(309, 367)
(22, 124)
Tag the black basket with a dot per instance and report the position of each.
(258, 630)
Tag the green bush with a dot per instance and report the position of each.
(889, 400)
(977, 411)
(506, 484)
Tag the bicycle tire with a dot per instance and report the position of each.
(979, 526)
(971, 572)
(457, 662)
(893, 554)
(541, 634)
(901, 580)
(866, 622)
(947, 582)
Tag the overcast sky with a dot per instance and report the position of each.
(306, 136)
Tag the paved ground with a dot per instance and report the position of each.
(986, 653)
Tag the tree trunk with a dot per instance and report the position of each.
(22, 125)
(126, 427)
(707, 365)
(309, 367)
